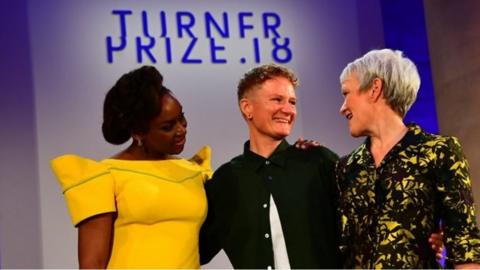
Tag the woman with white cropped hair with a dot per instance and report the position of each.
(397, 185)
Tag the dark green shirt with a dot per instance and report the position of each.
(302, 184)
(388, 212)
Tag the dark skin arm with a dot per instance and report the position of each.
(95, 238)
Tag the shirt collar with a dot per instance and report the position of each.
(278, 157)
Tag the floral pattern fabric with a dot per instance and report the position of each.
(388, 212)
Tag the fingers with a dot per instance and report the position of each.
(309, 143)
(301, 143)
(436, 242)
(439, 254)
(436, 239)
(305, 144)
(300, 140)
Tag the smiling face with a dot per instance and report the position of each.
(167, 131)
(356, 106)
(270, 109)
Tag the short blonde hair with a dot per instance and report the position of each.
(258, 75)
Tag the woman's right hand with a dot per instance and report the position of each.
(95, 238)
(301, 143)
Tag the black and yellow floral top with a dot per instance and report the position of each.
(388, 213)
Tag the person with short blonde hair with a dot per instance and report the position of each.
(273, 206)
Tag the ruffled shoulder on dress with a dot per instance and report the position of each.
(204, 159)
(88, 186)
(72, 170)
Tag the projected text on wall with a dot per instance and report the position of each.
(185, 37)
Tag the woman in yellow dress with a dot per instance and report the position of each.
(142, 208)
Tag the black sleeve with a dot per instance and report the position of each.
(210, 234)
(329, 163)
(329, 169)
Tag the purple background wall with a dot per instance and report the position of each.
(20, 237)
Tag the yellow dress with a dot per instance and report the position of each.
(160, 205)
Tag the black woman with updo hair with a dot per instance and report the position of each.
(143, 207)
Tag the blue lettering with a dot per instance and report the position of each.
(146, 49)
(185, 25)
(123, 35)
(111, 48)
(279, 48)
(163, 24)
(145, 24)
(209, 21)
(256, 50)
(185, 58)
(168, 50)
(213, 50)
(150, 45)
(241, 23)
(273, 27)
(123, 20)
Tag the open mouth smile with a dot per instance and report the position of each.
(180, 141)
(282, 120)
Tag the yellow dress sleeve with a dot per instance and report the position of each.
(203, 158)
(87, 185)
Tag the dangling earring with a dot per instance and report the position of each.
(139, 141)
